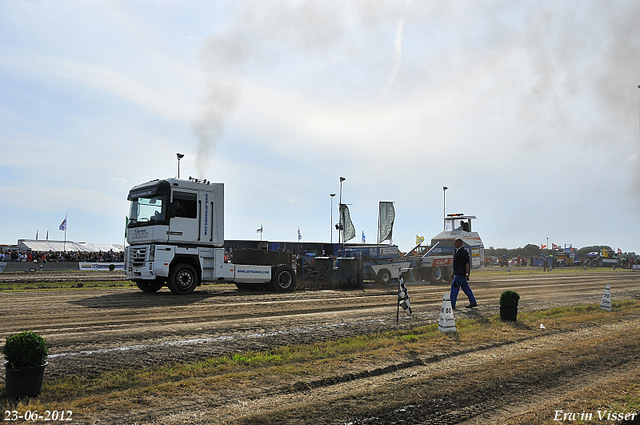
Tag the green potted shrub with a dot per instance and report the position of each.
(26, 358)
(509, 306)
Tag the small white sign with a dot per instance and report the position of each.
(605, 304)
(447, 322)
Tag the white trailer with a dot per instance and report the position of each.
(175, 232)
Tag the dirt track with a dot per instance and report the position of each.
(93, 330)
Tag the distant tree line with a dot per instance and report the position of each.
(531, 250)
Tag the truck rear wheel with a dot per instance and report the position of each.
(149, 285)
(383, 277)
(283, 279)
(183, 279)
(437, 274)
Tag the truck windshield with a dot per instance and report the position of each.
(146, 211)
(457, 224)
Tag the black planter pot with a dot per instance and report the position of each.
(23, 381)
(508, 314)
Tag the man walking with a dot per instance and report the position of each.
(461, 268)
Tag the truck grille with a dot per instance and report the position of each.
(137, 256)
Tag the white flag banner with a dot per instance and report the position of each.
(386, 217)
(349, 228)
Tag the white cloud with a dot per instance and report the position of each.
(155, 100)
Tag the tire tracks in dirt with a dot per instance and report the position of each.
(81, 323)
(157, 328)
(436, 390)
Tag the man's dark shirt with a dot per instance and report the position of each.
(460, 258)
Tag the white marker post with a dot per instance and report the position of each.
(605, 304)
(447, 322)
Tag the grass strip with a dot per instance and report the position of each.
(528, 270)
(51, 285)
(63, 285)
(594, 405)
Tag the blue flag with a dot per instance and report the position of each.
(63, 225)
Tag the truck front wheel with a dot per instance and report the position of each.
(437, 274)
(283, 279)
(383, 277)
(183, 279)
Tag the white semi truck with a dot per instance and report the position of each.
(175, 232)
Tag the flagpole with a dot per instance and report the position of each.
(332, 195)
(341, 229)
(398, 306)
(378, 235)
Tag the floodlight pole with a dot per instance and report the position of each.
(180, 156)
(444, 208)
(331, 222)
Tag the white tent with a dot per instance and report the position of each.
(60, 246)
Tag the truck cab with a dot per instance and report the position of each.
(175, 231)
(176, 211)
(435, 262)
(459, 226)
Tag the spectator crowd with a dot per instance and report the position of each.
(59, 256)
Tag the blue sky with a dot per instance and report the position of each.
(528, 111)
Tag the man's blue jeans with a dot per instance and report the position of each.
(460, 282)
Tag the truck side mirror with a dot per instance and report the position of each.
(171, 210)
